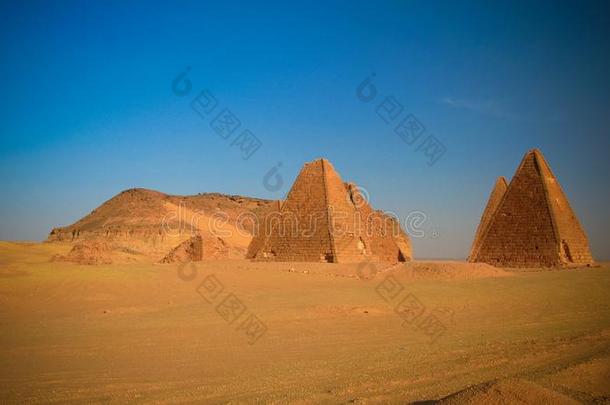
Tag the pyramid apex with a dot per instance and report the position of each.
(502, 180)
(535, 151)
(540, 160)
(326, 163)
(536, 155)
(320, 160)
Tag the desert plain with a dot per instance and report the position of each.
(144, 333)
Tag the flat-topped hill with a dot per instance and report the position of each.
(148, 223)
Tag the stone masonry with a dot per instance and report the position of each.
(492, 205)
(326, 220)
(533, 225)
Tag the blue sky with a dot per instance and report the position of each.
(88, 108)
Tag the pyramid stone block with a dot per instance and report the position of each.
(492, 205)
(533, 225)
(326, 220)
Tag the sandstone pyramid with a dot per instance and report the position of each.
(533, 225)
(492, 205)
(265, 218)
(89, 252)
(198, 248)
(326, 220)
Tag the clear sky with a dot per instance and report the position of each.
(88, 107)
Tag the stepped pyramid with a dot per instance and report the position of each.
(326, 220)
(492, 205)
(533, 224)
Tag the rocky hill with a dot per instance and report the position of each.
(144, 225)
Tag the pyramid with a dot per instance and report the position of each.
(492, 205)
(262, 228)
(198, 248)
(324, 219)
(533, 225)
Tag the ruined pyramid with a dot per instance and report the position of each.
(198, 248)
(492, 205)
(533, 224)
(326, 220)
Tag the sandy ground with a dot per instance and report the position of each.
(147, 333)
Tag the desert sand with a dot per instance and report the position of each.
(144, 333)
